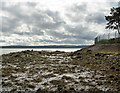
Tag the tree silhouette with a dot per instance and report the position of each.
(113, 19)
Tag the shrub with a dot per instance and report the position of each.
(103, 41)
(109, 41)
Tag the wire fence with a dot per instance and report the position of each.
(109, 35)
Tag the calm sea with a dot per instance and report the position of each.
(9, 50)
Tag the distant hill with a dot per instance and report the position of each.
(47, 46)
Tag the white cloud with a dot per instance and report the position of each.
(53, 21)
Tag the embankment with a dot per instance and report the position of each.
(104, 48)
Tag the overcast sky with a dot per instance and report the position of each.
(53, 21)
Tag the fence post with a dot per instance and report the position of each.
(108, 35)
(99, 38)
(103, 36)
(95, 40)
(116, 34)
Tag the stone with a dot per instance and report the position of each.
(116, 79)
(111, 76)
(117, 70)
(112, 67)
(72, 89)
(78, 57)
(97, 54)
(39, 90)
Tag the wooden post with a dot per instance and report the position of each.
(96, 40)
(115, 34)
(99, 38)
(108, 35)
(103, 36)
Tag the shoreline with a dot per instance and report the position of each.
(82, 70)
(10, 50)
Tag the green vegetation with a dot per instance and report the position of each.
(103, 41)
(109, 41)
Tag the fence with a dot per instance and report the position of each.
(109, 35)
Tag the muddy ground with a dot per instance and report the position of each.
(60, 71)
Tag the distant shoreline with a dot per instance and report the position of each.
(51, 46)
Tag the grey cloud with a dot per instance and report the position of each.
(76, 35)
(79, 8)
(81, 32)
(39, 19)
(74, 41)
(2, 40)
(77, 12)
(96, 18)
(46, 41)
(54, 15)
(32, 4)
(32, 32)
(58, 35)
(42, 22)
(37, 31)
(9, 25)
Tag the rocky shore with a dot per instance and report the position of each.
(44, 71)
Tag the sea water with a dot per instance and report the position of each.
(9, 50)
